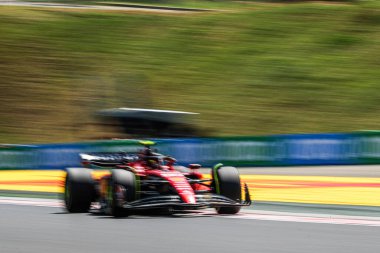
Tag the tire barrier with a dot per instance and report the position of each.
(278, 150)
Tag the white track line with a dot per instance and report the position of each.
(31, 202)
(245, 214)
(309, 218)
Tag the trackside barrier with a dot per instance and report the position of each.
(317, 149)
(57, 156)
(367, 145)
(278, 150)
(18, 156)
(237, 151)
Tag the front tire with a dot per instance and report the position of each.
(122, 189)
(227, 183)
(79, 190)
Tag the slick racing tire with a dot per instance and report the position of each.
(79, 190)
(227, 183)
(122, 189)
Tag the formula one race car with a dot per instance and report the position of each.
(149, 181)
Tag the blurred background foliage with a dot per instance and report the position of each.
(254, 68)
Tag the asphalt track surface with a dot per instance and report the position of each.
(338, 171)
(27, 228)
(333, 170)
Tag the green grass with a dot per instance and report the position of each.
(256, 69)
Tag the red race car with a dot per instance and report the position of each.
(149, 181)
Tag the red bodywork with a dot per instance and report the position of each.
(151, 181)
(175, 178)
(178, 181)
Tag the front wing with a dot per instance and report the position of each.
(175, 202)
(209, 200)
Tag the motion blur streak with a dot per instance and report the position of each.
(278, 188)
(31, 202)
(246, 214)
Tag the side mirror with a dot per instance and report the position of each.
(194, 166)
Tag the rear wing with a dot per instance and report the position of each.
(108, 159)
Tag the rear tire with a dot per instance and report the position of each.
(79, 190)
(123, 189)
(227, 183)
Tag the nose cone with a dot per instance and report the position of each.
(184, 189)
(188, 197)
(180, 184)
